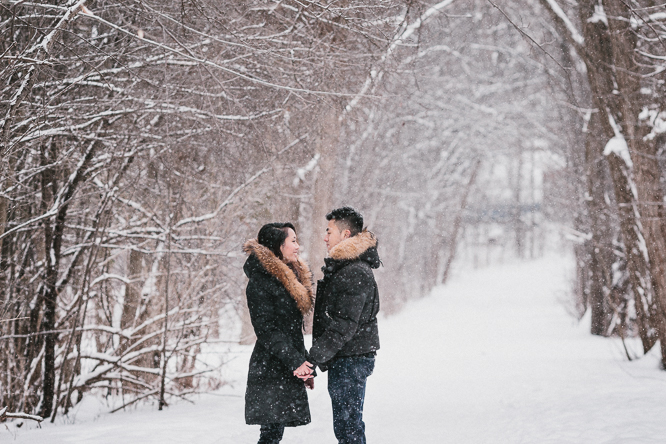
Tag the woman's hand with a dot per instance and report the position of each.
(304, 371)
(309, 383)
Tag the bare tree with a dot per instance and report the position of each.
(131, 131)
(619, 45)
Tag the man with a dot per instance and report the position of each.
(345, 335)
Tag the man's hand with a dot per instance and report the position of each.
(309, 383)
(304, 371)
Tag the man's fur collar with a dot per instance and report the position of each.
(300, 288)
(353, 247)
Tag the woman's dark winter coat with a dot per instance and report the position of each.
(277, 298)
(347, 303)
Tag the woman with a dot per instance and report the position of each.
(279, 293)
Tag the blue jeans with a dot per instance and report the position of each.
(346, 386)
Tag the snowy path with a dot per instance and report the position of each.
(490, 358)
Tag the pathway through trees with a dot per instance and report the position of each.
(492, 357)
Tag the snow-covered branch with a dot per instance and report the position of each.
(5, 415)
(210, 63)
(561, 15)
(377, 72)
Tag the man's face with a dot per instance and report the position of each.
(334, 235)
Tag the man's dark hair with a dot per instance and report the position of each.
(348, 218)
(273, 235)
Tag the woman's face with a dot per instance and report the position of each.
(290, 247)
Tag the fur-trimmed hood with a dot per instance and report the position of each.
(363, 246)
(298, 285)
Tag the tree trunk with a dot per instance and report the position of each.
(132, 297)
(328, 132)
(53, 238)
(625, 110)
(49, 286)
(605, 55)
(599, 247)
(637, 262)
(443, 275)
(518, 224)
(4, 207)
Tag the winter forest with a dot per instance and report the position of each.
(144, 141)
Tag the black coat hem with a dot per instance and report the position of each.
(286, 424)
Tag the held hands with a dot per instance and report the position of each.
(305, 371)
(309, 383)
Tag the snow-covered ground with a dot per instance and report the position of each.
(492, 357)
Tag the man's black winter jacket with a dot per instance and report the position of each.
(347, 302)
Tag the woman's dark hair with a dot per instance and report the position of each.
(273, 235)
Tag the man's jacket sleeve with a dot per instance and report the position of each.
(350, 290)
(269, 336)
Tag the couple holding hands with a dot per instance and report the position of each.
(344, 333)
